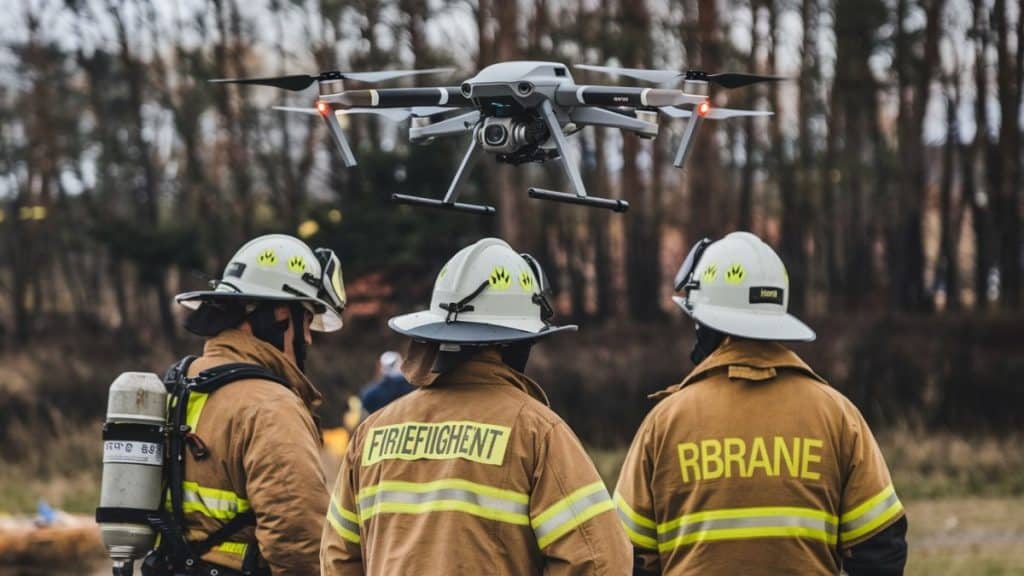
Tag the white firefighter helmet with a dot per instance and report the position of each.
(281, 268)
(739, 286)
(486, 294)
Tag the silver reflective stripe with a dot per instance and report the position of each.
(210, 503)
(403, 497)
(871, 514)
(575, 508)
(341, 520)
(770, 521)
(632, 525)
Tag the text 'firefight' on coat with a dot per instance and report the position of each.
(472, 474)
(753, 460)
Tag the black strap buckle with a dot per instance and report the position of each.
(455, 308)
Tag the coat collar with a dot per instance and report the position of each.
(235, 345)
(753, 360)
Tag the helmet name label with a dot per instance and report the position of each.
(766, 295)
(737, 457)
(473, 441)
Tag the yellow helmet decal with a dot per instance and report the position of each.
(710, 273)
(267, 258)
(735, 274)
(526, 281)
(500, 279)
(297, 264)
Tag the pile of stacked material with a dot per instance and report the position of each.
(52, 539)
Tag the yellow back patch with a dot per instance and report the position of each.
(473, 441)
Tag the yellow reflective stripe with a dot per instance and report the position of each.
(451, 495)
(393, 485)
(743, 523)
(748, 533)
(874, 512)
(345, 523)
(212, 502)
(196, 402)
(640, 529)
(235, 548)
(571, 511)
(746, 513)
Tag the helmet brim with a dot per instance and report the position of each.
(749, 324)
(327, 321)
(430, 327)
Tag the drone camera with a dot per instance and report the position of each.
(508, 135)
(495, 135)
(467, 89)
(524, 88)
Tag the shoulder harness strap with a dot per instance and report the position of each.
(180, 387)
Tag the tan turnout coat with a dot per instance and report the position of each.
(263, 448)
(473, 474)
(753, 465)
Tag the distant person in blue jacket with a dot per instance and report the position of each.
(389, 386)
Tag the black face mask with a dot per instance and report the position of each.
(299, 334)
(517, 355)
(213, 318)
(708, 339)
(448, 360)
(267, 327)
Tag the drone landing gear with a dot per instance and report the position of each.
(442, 205)
(449, 203)
(571, 172)
(612, 204)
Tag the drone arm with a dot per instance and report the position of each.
(600, 117)
(448, 127)
(576, 95)
(687, 141)
(399, 98)
(338, 135)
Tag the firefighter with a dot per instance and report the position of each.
(253, 482)
(754, 464)
(472, 473)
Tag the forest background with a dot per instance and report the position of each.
(889, 180)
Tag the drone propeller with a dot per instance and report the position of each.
(298, 82)
(725, 79)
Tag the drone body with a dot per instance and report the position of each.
(520, 111)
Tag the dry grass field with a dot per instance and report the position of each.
(965, 500)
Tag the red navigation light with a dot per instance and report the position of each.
(323, 108)
(703, 108)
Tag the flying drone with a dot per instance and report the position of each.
(520, 112)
